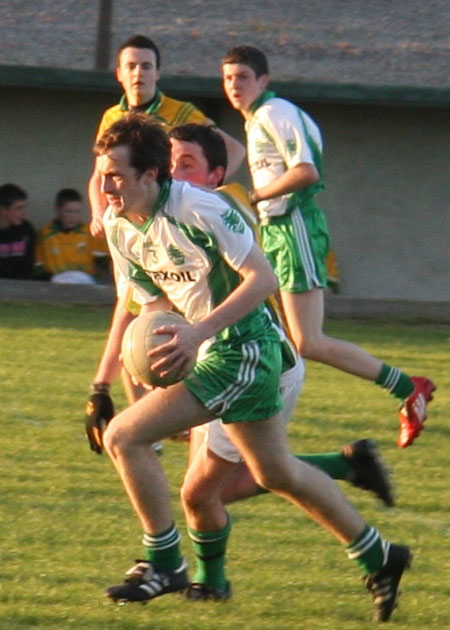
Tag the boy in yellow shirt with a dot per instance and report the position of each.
(66, 250)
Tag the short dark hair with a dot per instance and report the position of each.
(208, 138)
(147, 141)
(65, 195)
(250, 56)
(140, 41)
(10, 193)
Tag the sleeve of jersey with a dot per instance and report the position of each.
(285, 126)
(106, 121)
(228, 230)
(199, 118)
(101, 128)
(120, 265)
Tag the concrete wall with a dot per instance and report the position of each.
(388, 199)
(388, 190)
(46, 138)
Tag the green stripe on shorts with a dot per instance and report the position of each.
(239, 382)
(297, 245)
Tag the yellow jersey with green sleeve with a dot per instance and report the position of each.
(280, 136)
(58, 250)
(166, 111)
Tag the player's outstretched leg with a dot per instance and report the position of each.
(145, 582)
(383, 585)
(413, 411)
(360, 464)
(381, 563)
(369, 472)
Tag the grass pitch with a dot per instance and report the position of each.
(68, 532)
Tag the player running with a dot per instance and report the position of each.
(284, 151)
(216, 474)
(181, 243)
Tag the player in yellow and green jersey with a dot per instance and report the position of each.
(138, 70)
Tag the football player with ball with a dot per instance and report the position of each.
(186, 246)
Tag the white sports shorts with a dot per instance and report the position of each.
(291, 384)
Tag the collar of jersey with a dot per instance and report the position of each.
(160, 202)
(151, 109)
(58, 227)
(265, 96)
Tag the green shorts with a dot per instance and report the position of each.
(239, 382)
(297, 245)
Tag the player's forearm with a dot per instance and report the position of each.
(96, 197)
(110, 366)
(258, 283)
(290, 181)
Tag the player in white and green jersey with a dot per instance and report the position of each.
(178, 248)
(216, 474)
(284, 149)
(198, 156)
(182, 259)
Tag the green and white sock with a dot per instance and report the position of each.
(163, 550)
(369, 550)
(395, 382)
(210, 550)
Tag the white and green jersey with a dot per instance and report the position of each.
(190, 250)
(280, 136)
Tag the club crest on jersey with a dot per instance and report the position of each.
(259, 145)
(233, 220)
(291, 146)
(175, 255)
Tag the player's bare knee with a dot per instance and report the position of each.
(311, 347)
(305, 347)
(186, 494)
(109, 440)
(271, 478)
(115, 440)
(195, 496)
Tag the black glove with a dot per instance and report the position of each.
(99, 411)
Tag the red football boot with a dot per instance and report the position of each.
(413, 412)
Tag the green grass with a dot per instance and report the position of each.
(67, 530)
